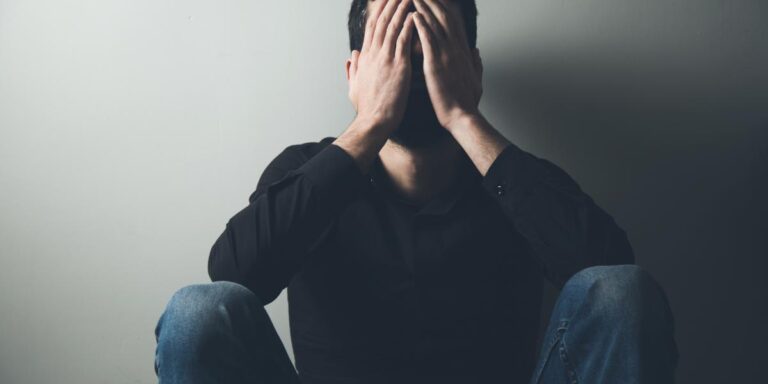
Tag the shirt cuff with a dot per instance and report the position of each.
(335, 174)
(508, 178)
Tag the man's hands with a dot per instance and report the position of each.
(380, 79)
(453, 72)
(380, 74)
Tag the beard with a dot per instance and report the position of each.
(419, 127)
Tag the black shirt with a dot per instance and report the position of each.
(382, 290)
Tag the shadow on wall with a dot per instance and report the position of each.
(678, 155)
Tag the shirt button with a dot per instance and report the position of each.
(499, 189)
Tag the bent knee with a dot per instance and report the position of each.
(613, 276)
(617, 290)
(199, 307)
(203, 297)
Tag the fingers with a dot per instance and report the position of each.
(395, 26)
(442, 16)
(456, 20)
(370, 26)
(426, 36)
(383, 23)
(403, 48)
(426, 12)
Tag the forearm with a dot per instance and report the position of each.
(363, 140)
(479, 139)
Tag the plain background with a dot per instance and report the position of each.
(132, 130)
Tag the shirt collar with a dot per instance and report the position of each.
(441, 204)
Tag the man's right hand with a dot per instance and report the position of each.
(380, 74)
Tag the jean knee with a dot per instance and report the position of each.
(198, 308)
(197, 321)
(617, 290)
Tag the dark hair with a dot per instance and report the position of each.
(357, 17)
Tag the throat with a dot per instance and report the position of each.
(417, 177)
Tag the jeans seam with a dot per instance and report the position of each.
(551, 348)
(570, 369)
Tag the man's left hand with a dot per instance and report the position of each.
(452, 69)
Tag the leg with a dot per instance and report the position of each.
(219, 333)
(611, 324)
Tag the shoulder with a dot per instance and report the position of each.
(299, 153)
(290, 158)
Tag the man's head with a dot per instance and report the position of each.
(358, 14)
(420, 127)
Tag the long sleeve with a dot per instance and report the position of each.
(290, 213)
(564, 227)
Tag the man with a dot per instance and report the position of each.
(413, 245)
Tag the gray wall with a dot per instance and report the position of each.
(132, 130)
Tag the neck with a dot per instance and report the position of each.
(418, 174)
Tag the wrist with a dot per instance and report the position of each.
(464, 119)
(362, 140)
(370, 123)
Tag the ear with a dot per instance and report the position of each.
(351, 64)
(350, 68)
(347, 67)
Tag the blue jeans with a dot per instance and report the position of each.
(611, 324)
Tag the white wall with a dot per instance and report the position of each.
(131, 130)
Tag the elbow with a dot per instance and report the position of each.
(216, 269)
(222, 264)
(628, 254)
(618, 250)
(609, 242)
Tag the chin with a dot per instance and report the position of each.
(420, 127)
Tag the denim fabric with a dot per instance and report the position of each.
(611, 324)
(219, 333)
